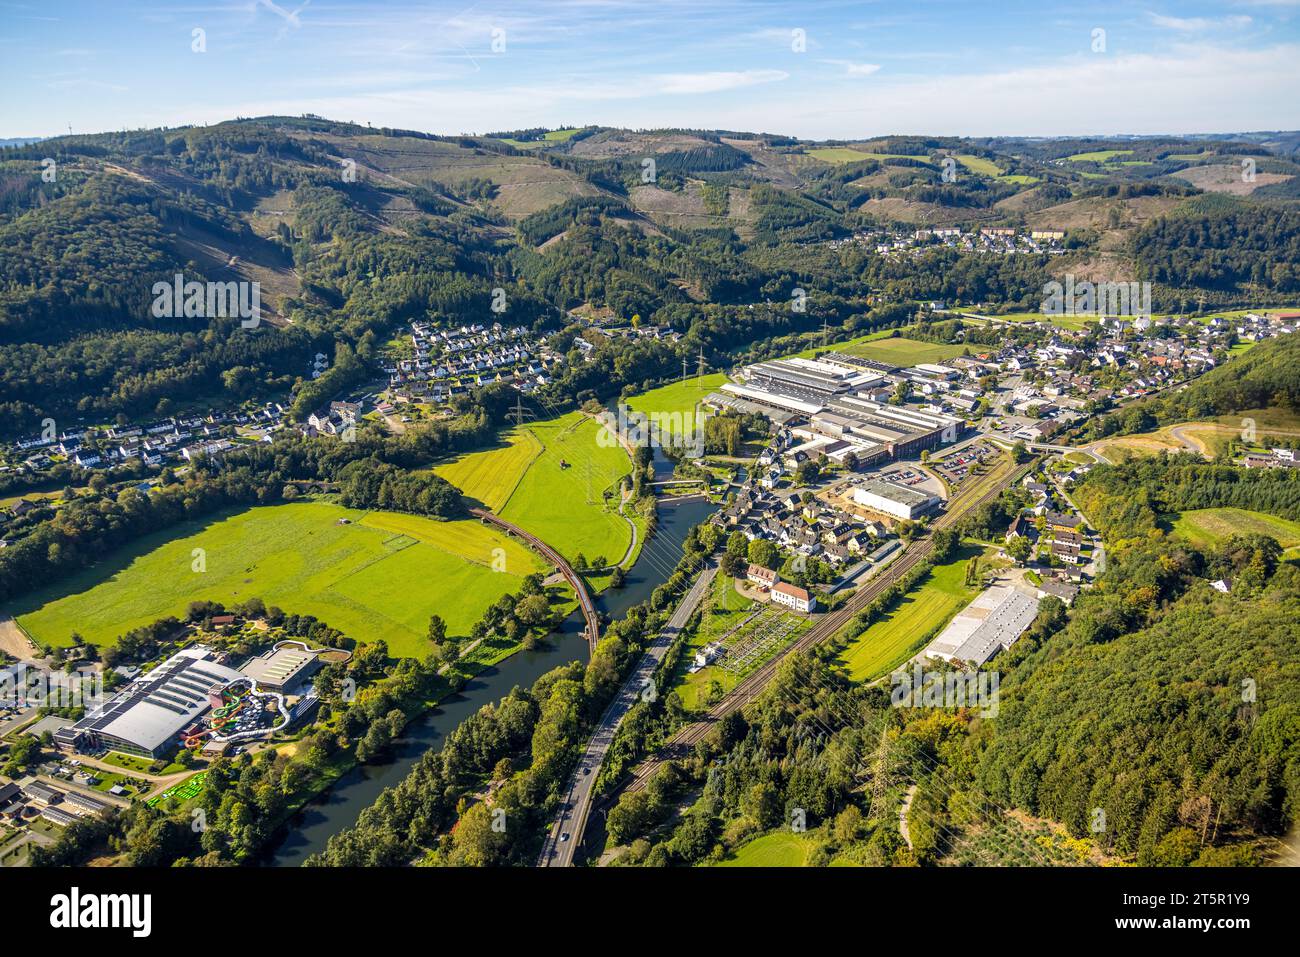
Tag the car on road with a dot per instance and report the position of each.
(563, 838)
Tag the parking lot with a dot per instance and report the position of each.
(956, 467)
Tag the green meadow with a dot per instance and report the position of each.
(548, 138)
(778, 849)
(1073, 322)
(551, 479)
(846, 154)
(1098, 156)
(378, 577)
(494, 474)
(899, 351)
(980, 165)
(1205, 527)
(677, 399)
(915, 618)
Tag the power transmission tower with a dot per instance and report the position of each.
(520, 412)
(880, 773)
(699, 370)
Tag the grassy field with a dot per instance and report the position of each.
(846, 154)
(778, 849)
(379, 577)
(921, 612)
(553, 136)
(680, 397)
(493, 474)
(1076, 323)
(1098, 156)
(900, 351)
(980, 165)
(136, 764)
(837, 155)
(884, 346)
(1207, 526)
(817, 346)
(678, 400)
(550, 479)
(565, 506)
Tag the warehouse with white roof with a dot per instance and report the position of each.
(892, 499)
(990, 623)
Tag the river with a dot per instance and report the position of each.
(359, 788)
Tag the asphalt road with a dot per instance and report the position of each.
(572, 819)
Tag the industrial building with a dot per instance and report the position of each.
(896, 500)
(283, 669)
(42, 793)
(824, 376)
(990, 623)
(58, 816)
(840, 398)
(85, 802)
(146, 717)
(800, 386)
(901, 431)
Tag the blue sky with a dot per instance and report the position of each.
(816, 69)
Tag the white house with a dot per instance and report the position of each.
(792, 596)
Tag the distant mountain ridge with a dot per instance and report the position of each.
(351, 231)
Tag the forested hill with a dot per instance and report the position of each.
(351, 231)
(1172, 707)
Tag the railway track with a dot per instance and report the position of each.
(748, 689)
(555, 558)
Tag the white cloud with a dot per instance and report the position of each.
(855, 69)
(715, 82)
(1197, 89)
(1200, 24)
(1200, 89)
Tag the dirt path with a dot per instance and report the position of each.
(902, 815)
(14, 642)
(394, 423)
